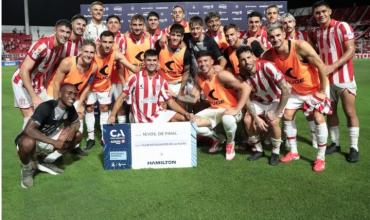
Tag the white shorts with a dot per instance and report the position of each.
(46, 148)
(309, 104)
(23, 100)
(336, 91)
(116, 90)
(214, 115)
(104, 98)
(262, 109)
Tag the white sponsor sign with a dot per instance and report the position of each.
(163, 145)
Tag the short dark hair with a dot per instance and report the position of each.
(64, 85)
(63, 22)
(178, 6)
(138, 17)
(78, 16)
(106, 34)
(196, 20)
(88, 42)
(177, 28)
(212, 14)
(152, 14)
(272, 6)
(320, 3)
(113, 16)
(243, 49)
(204, 53)
(230, 26)
(255, 14)
(150, 53)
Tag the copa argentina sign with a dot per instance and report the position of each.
(146, 145)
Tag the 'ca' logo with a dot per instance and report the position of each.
(117, 133)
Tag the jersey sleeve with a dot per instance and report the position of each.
(213, 47)
(129, 85)
(347, 31)
(41, 113)
(164, 94)
(37, 50)
(273, 72)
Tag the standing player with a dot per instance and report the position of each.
(44, 131)
(153, 26)
(336, 44)
(96, 25)
(136, 43)
(270, 93)
(215, 30)
(178, 15)
(306, 72)
(101, 87)
(174, 60)
(233, 39)
(272, 14)
(256, 33)
(289, 25)
(221, 89)
(146, 89)
(117, 77)
(75, 41)
(30, 79)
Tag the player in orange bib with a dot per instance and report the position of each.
(221, 89)
(78, 71)
(233, 39)
(305, 71)
(136, 43)
(174, 60)
(105, 58)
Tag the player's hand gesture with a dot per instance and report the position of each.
(111, 119)
(260, 124)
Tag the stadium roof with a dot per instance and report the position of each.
(13, 12)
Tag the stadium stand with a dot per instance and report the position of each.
(15, 46)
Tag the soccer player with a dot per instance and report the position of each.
(199, 41)
(256, 33)
(146, 89)
(44, 130)
(270, 93)
(221, 89)
(215, 29)
(79, 71)
(306, 72)
(178, 15)
(75, 41)
(174, 60)
(272, 14)
(136, 42)
(336, 45)
(232, 35)
(96, 25)
(289, 26)
(117, 76)
(153, 26)
(30, 78)
(105, 58)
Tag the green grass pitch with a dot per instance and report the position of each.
(216, 189)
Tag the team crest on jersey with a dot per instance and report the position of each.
(36, 52)
(168, 64)
(140, 56)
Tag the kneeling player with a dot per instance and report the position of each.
(147, 88)
(270, 93)
(44, 131)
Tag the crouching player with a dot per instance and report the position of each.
(270, 93)
(221, 89)
(54, 125)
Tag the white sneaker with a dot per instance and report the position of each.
(49, 168)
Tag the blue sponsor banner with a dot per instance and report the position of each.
(10, 63)
(231, 12)
(117, 150)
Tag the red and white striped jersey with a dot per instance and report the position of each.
(46, 55)
(157, 35)
(298, 35)
(261, 35)
(331, 42)
(71, 47)
(119, 43)
(146, 94)
(264, 82)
